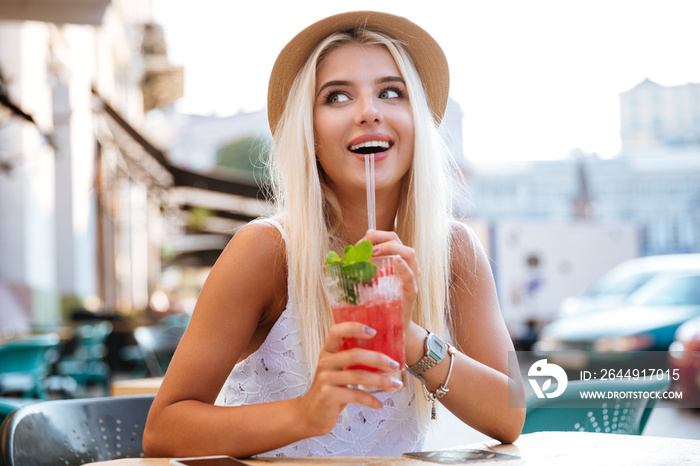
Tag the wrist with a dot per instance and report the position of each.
(434, 353)
(414, 342)
(302, 422)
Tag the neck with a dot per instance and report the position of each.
(355, 219)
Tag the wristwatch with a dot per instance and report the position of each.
(435, 350)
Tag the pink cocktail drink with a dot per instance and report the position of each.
(377, 303)
(384, 316)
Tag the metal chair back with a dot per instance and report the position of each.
(74, 432)
(572, 412)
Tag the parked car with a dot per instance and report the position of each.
(626, 278)
(684, 356)
(645, 321)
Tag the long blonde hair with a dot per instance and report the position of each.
(310, 210)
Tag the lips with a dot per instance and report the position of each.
(370, 144)
(370, 147)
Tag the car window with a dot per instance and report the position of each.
(620, 284)
(674, 291)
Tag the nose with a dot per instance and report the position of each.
(368, 112)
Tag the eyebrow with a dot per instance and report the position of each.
(386, 79)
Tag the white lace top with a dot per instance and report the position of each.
(275, 372)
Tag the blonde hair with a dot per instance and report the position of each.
(310, 210)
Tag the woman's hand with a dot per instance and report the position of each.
(387, 243)
(330, 392)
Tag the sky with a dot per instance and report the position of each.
(535, 79)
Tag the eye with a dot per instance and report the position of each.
(336, 98)
(391, 93)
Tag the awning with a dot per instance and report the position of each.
(231, 202)
(55, 11)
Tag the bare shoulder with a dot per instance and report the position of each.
(256, 243)
(467, 253)
(262, 233)
(256, 259)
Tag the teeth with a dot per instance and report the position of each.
(382, 144)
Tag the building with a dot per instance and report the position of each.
(654, 184)
(92, 209)
(79, 216)
(655, 118)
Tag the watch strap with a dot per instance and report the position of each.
(425, 363)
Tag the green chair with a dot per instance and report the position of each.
(24, 364)
(84, 358)
(8, 405)
(571, 412)
(75, 432)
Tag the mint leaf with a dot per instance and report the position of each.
(361, 252)
(332, 258)
(361, 271)
(356, 266)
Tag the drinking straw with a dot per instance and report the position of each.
(369, 183)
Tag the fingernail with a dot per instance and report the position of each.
(396, 383)
(393, 364)
(375, 250)
(369, 330)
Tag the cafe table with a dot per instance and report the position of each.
(145, 386)
(539, 448)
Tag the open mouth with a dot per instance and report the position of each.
(370, 147)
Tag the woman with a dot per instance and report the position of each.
(263, 329)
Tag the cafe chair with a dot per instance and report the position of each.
(157, 345)
(25, 363)
(8, 405)
(83, 361)
(74, 432)
(571, 412)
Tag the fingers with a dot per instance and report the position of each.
(346, 395)
(387, 243)
(364, 357)
(408, 278)
(333, 399)
(380, 236)
(334, 340)
(359, 378)
(334, 363)
(333, 357)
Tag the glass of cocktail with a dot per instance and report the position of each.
(373, 295)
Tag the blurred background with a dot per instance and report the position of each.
(132, 146)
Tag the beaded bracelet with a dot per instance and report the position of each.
(442, 390)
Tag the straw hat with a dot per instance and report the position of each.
(423, 49)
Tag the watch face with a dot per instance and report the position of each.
(437, 346)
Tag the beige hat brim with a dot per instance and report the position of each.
(425, 52)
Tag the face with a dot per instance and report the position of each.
(362, 107)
